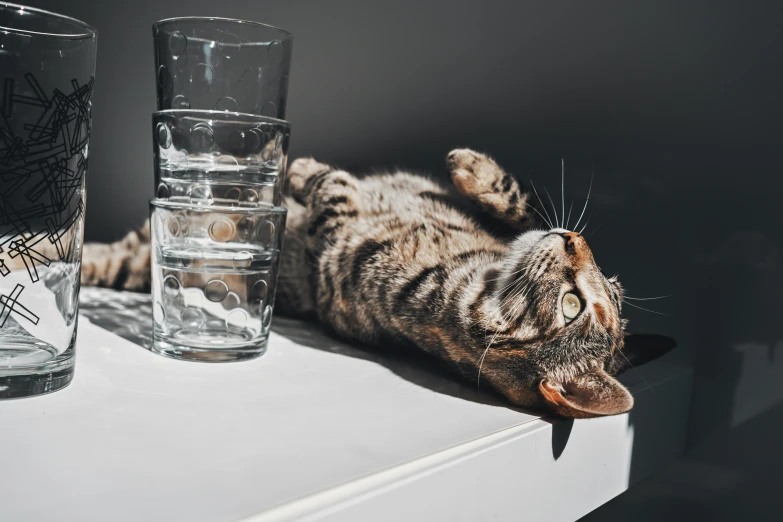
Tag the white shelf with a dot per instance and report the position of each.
(314, 429)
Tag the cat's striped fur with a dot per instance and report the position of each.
(394, 260)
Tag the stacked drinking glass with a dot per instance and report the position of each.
(220, 147)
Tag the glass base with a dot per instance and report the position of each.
(175, 350)
(33, 369)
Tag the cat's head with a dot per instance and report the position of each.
(558, 327)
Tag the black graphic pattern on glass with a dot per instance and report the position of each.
(42, 169)
(10, 303)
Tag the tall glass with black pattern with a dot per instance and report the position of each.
(47, 71)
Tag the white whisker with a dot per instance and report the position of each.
(585, 226)
(509, 285)
(562, 188)
(596, 229)
(481, 364)
(549, 220)
(554, 208)
(637, 372)
(539, 213)
(512, 293)
(645, 309)
(519, 294)
(502, 276)
(645, 298)
(586, 200)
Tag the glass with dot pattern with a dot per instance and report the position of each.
(222, 64)
(214, 272)
(221, 158)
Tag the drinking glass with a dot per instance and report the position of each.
(47, 68)
(214, 273)
(222, 64)
(221, 158)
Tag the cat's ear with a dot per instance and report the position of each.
(642, 348)
(592, 394)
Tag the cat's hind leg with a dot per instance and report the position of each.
(480, 179)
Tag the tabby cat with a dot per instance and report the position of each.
(398, 260)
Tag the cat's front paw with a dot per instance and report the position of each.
(471, 171)
(299, 172)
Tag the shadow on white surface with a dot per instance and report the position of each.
(126, 314)
(415, 367)
(129, 315)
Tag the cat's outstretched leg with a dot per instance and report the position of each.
(294, 295)
(333, 204)
(480, 179)
(331, 197)
(302, 173)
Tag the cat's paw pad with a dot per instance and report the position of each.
(472, 172)
(300, 171)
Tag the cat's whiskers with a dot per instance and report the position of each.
(637, 372)
(515, 281)
(539, 213)
(512, 283)
(596, 229)
(590, 189)
(554, 209)
(585, 226)
(520, 295)
(524, 289)
(645, 309)
(501, 290)
(522, 302)
(562, 187)
(543, 206)
(503, 276)
(505, 316)
(569, 215)
(516, 291)
(514, 299)
(645, 298)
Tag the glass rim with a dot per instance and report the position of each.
(89, 31)
(167, 21)
(218, 115)
(259, 209)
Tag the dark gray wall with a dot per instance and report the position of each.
(675, 103)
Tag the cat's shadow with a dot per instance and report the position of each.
(129, 315)
(414, 367)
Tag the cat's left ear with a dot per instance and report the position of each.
(592, 394)
(642, 348)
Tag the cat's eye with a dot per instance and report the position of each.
(571, 306)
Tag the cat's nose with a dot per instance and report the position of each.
(576, 248)
(571, 237)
